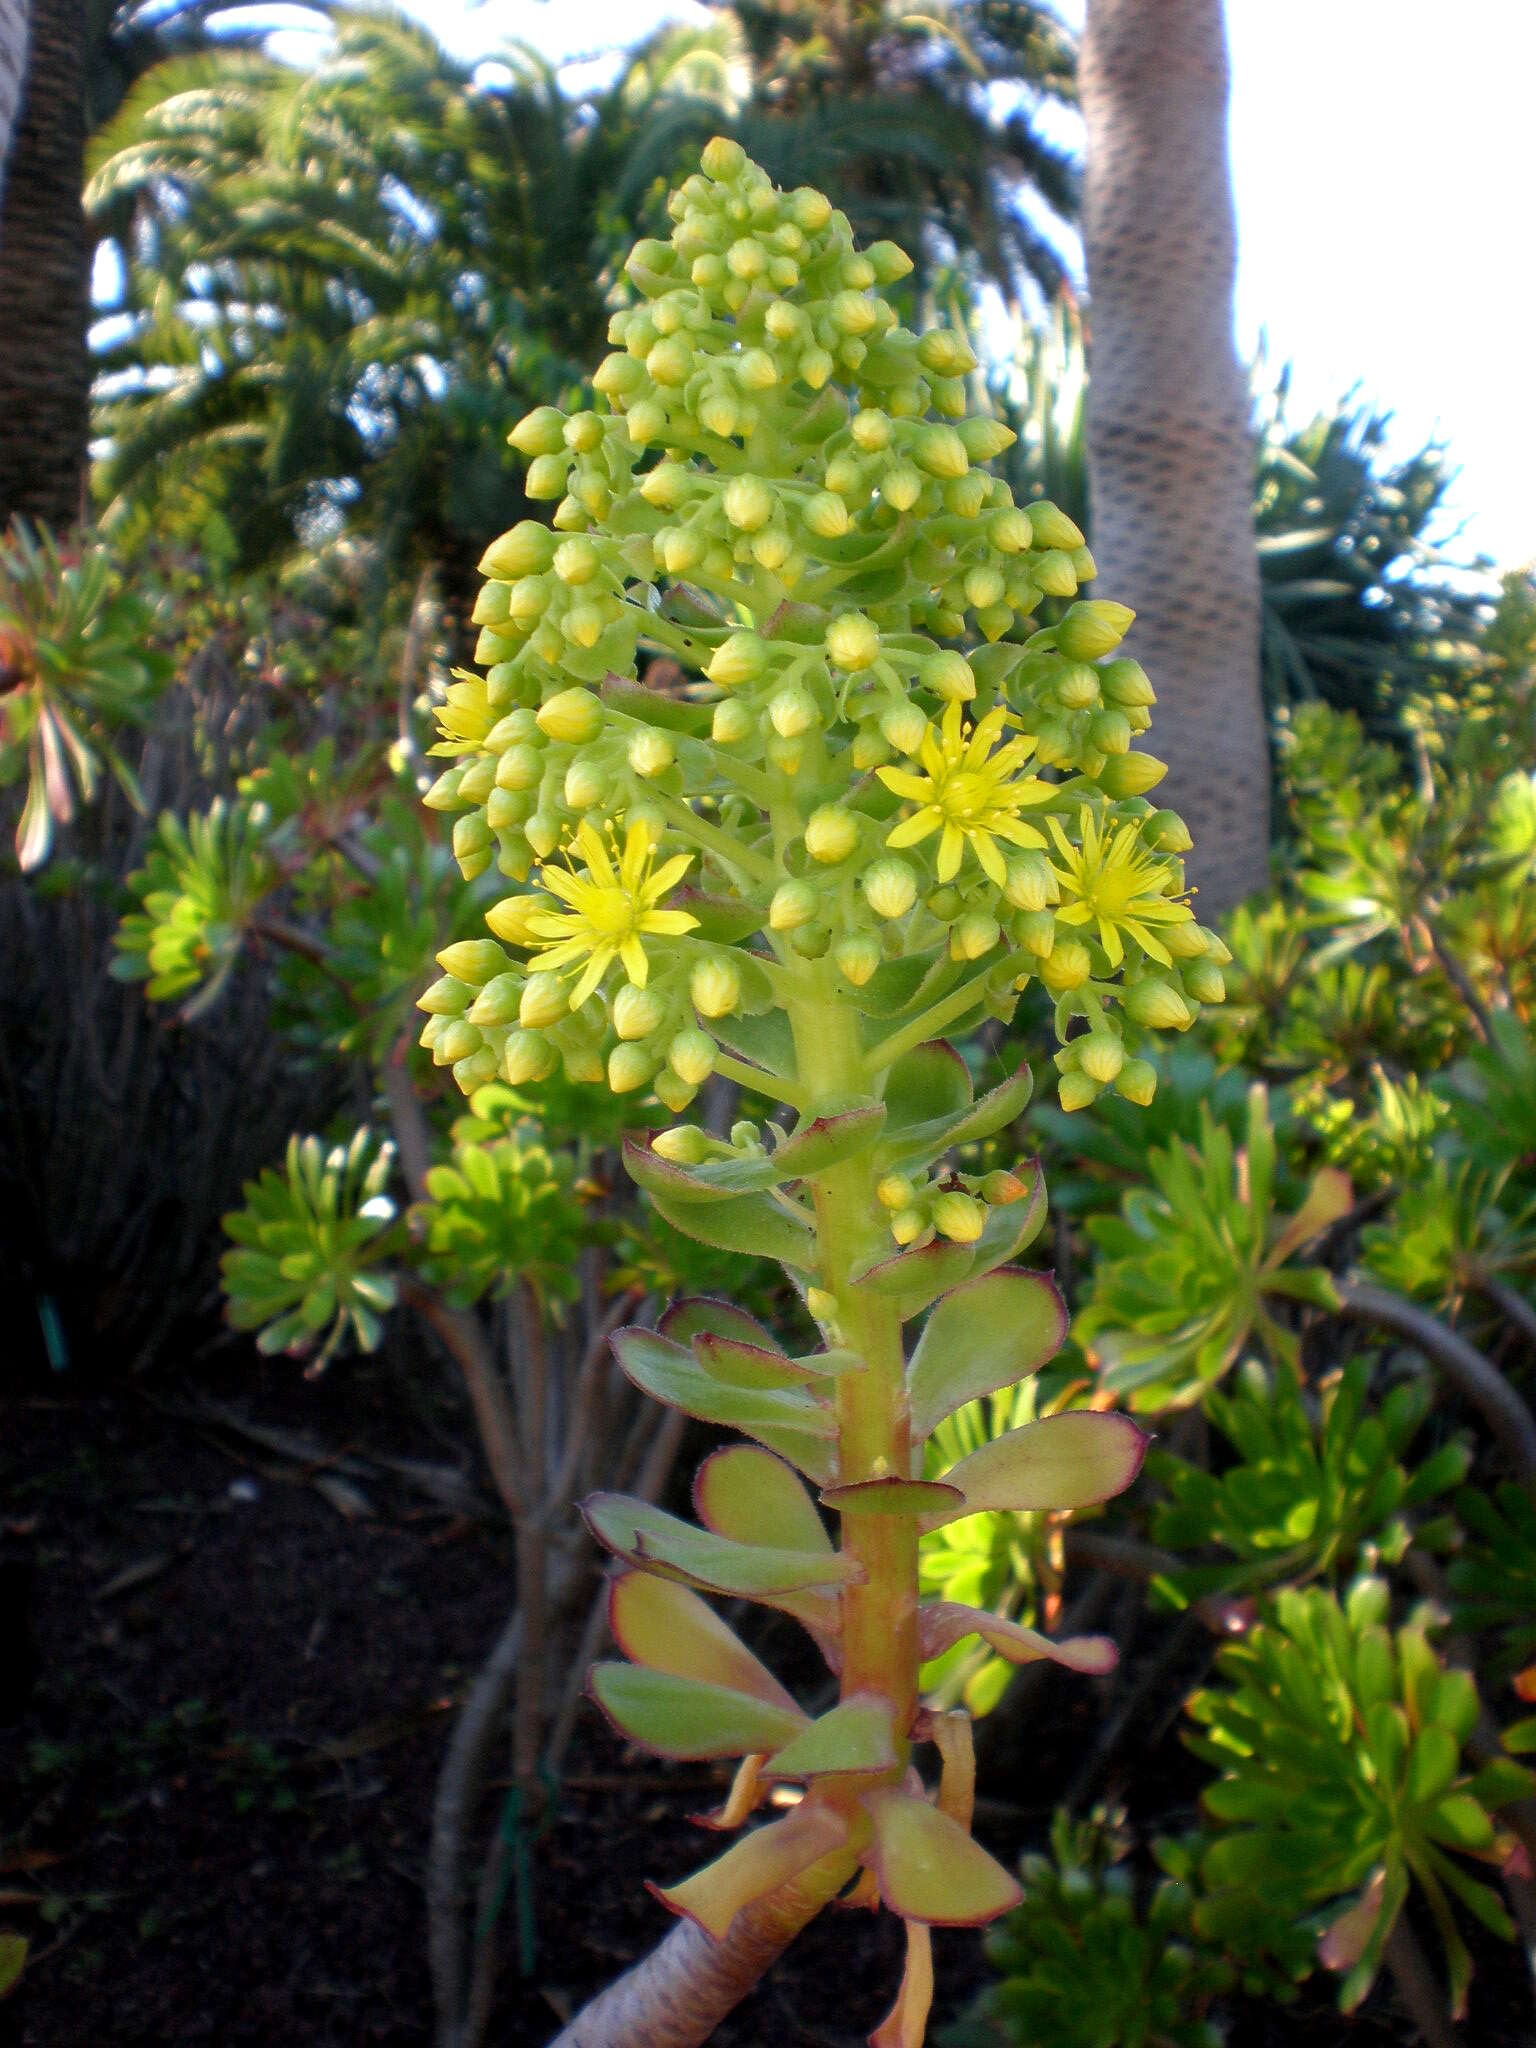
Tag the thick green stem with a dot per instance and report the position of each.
(879, 1641)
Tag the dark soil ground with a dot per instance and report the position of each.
(225, 1687)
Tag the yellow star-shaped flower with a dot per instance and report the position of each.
(1115, 881)
(968, 793)
(610, 906)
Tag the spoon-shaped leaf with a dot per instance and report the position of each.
(983, 1335)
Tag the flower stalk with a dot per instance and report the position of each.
(881, 805)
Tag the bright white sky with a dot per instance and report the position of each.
(1384, 164)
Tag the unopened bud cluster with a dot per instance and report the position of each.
(782, 488)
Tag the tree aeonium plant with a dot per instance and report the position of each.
(852, 805)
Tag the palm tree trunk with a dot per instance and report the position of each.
(1169, 443)
(13, 66)
(44, 369)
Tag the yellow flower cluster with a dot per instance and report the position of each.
(875, 757)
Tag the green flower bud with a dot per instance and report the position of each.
(473, 960)
(1075, 1089)
(617, 376)
(982, 438)
(519, 768)
(665, 486)
(1167, 832)
(1076, 685)
(895, 1192)
(670, 363)
(1131, 774)
(715, 987)
(574, 715)
(815, 367)
(684, 1145)
(491, 606)
(901, 486)
(740, 658)
(1036, 933)
(1109, 731)
(523, 551)
(540, 432)
(869, 749)
(1137, 1082)
(853, 642)
(904, 726)
(577, 560)
(747, 503)
(890, 887)
(831, 834)
(583, 625)
(720, 414)
(857, 957)
(691, 1056)
(940, 451)
(471, 840)
(1001, 1190)
(1084, 567)
(724, 161)
(731, 724)
(479, 780)
(1101, 1056)
(544, 1001)
(794, 904)
(1093, 628)
(447, 997)
(651, 753)
(1066, 966)
(1157, 1004)
(674, 1093)
(629, 1067)
(509, 919)
(1185, 940)
(1205, 981)
(681, 548)
(498, 1002)
(870, 431)
(827, 516)
(586, 784)
(528, 600)
(1124, 682)
(1030, 884)
(1052, 528)
(1054, 573)
(1010, 531)
(889, 262)
(456, 1041)
(946, 353)
(645, 422)
(474, 1071)
(584, 432)
(528, 1056)
(444, 793)
(637, 1012)
(546, 475)
(959, 1217)
(792, 711)
(973, 935)
(907, 1226)
(983, 586)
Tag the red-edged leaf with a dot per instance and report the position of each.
(666, 1627)
(683, 1321)
(894, 1496)
(754, 1497)
(854, 1737)
(686, 1719)
(756, 1865)
(985, 1334)
(906, 2024)
(943, 1623)
(1067, 1461)
(647, 1536)
(929, 1868)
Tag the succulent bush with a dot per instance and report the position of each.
(75, 666)
(1317, 1486)
(1340, 1747)
(838, 815)
(306, 1245)
(1196, 1261)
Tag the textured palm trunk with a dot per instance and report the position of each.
(13, 68)
(1169, 443)
(44, 370)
